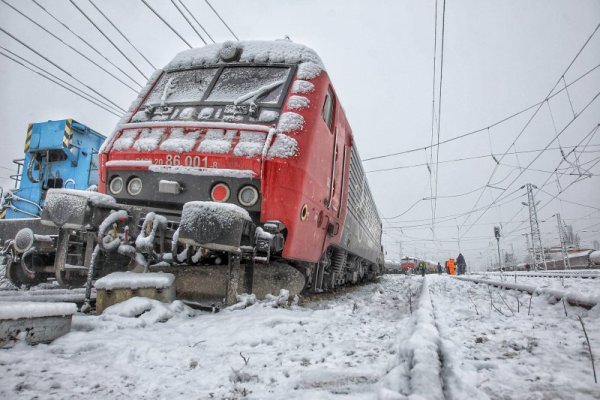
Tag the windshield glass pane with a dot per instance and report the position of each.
(247, 84)
(181, 87)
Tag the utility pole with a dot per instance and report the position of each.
(527, 248)
(563, 243)
(458, 236)
(539, 258)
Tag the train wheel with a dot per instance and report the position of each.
(15, 274)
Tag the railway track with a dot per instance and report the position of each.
(584, 274)
(573, 298)
(57, 295)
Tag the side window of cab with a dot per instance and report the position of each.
(328, 107)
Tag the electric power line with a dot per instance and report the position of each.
(165, 22)
(439, 120)
(198, 22)
(224, 23)
(188, 21)
(122, 34)
(60, 84)
(66, 44)
(62, 69)
(470, 133)
(542, 152)
(86, 42)
(531, 119)
(472, 158)
(107, 38)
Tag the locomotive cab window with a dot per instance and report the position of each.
(328, 109)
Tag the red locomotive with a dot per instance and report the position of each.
(236, 154)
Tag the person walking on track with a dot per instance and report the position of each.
(461, 264)
(422, 267)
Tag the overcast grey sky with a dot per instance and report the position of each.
(500, 57)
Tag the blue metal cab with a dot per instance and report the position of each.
(58, 154)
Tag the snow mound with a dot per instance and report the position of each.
(145, 311)
(149, 139)
(298, 102)
(301, 87)
(217, 141)
(250, 144)
(246, 300)
(290, 121)
(283, 147)
(179, 141)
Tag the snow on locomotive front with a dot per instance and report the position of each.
(236, 152)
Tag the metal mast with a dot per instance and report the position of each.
(528, 248)
(539, 258)
(563, 243)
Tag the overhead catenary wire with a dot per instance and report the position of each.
(188, 21)
(109, 39)
(470, 158)
(481, 130)
(433, 114)
(590, 134)
(527, 124)
(68, 45)
(165, 22)
(122, 34)
(56, 82)
(61, 69)
(43, 71)
(198, 22)
(550, 143)
(439, 116)
(222, 20)
(93, 48)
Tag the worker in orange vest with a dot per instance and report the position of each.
(451, 266)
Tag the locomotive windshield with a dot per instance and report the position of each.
(228, 93)
(242, 85)
(233, 84)
(180, 87)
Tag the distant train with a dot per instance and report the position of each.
(408, 265)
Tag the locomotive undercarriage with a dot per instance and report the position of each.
(212, 258)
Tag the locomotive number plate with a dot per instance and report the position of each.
(233, 109)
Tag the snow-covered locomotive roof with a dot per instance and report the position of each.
(250, 51)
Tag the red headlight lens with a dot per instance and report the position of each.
(220, 192)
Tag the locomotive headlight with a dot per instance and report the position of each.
(220, 192)
(116, 185)
(134, 187)
(248, 196)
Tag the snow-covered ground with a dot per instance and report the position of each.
(395, 339)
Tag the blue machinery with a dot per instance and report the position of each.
(58, 154)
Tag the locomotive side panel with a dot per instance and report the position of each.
(362, 228)
(304, 192)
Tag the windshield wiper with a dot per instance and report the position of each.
(253, 95)
(167, 91)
